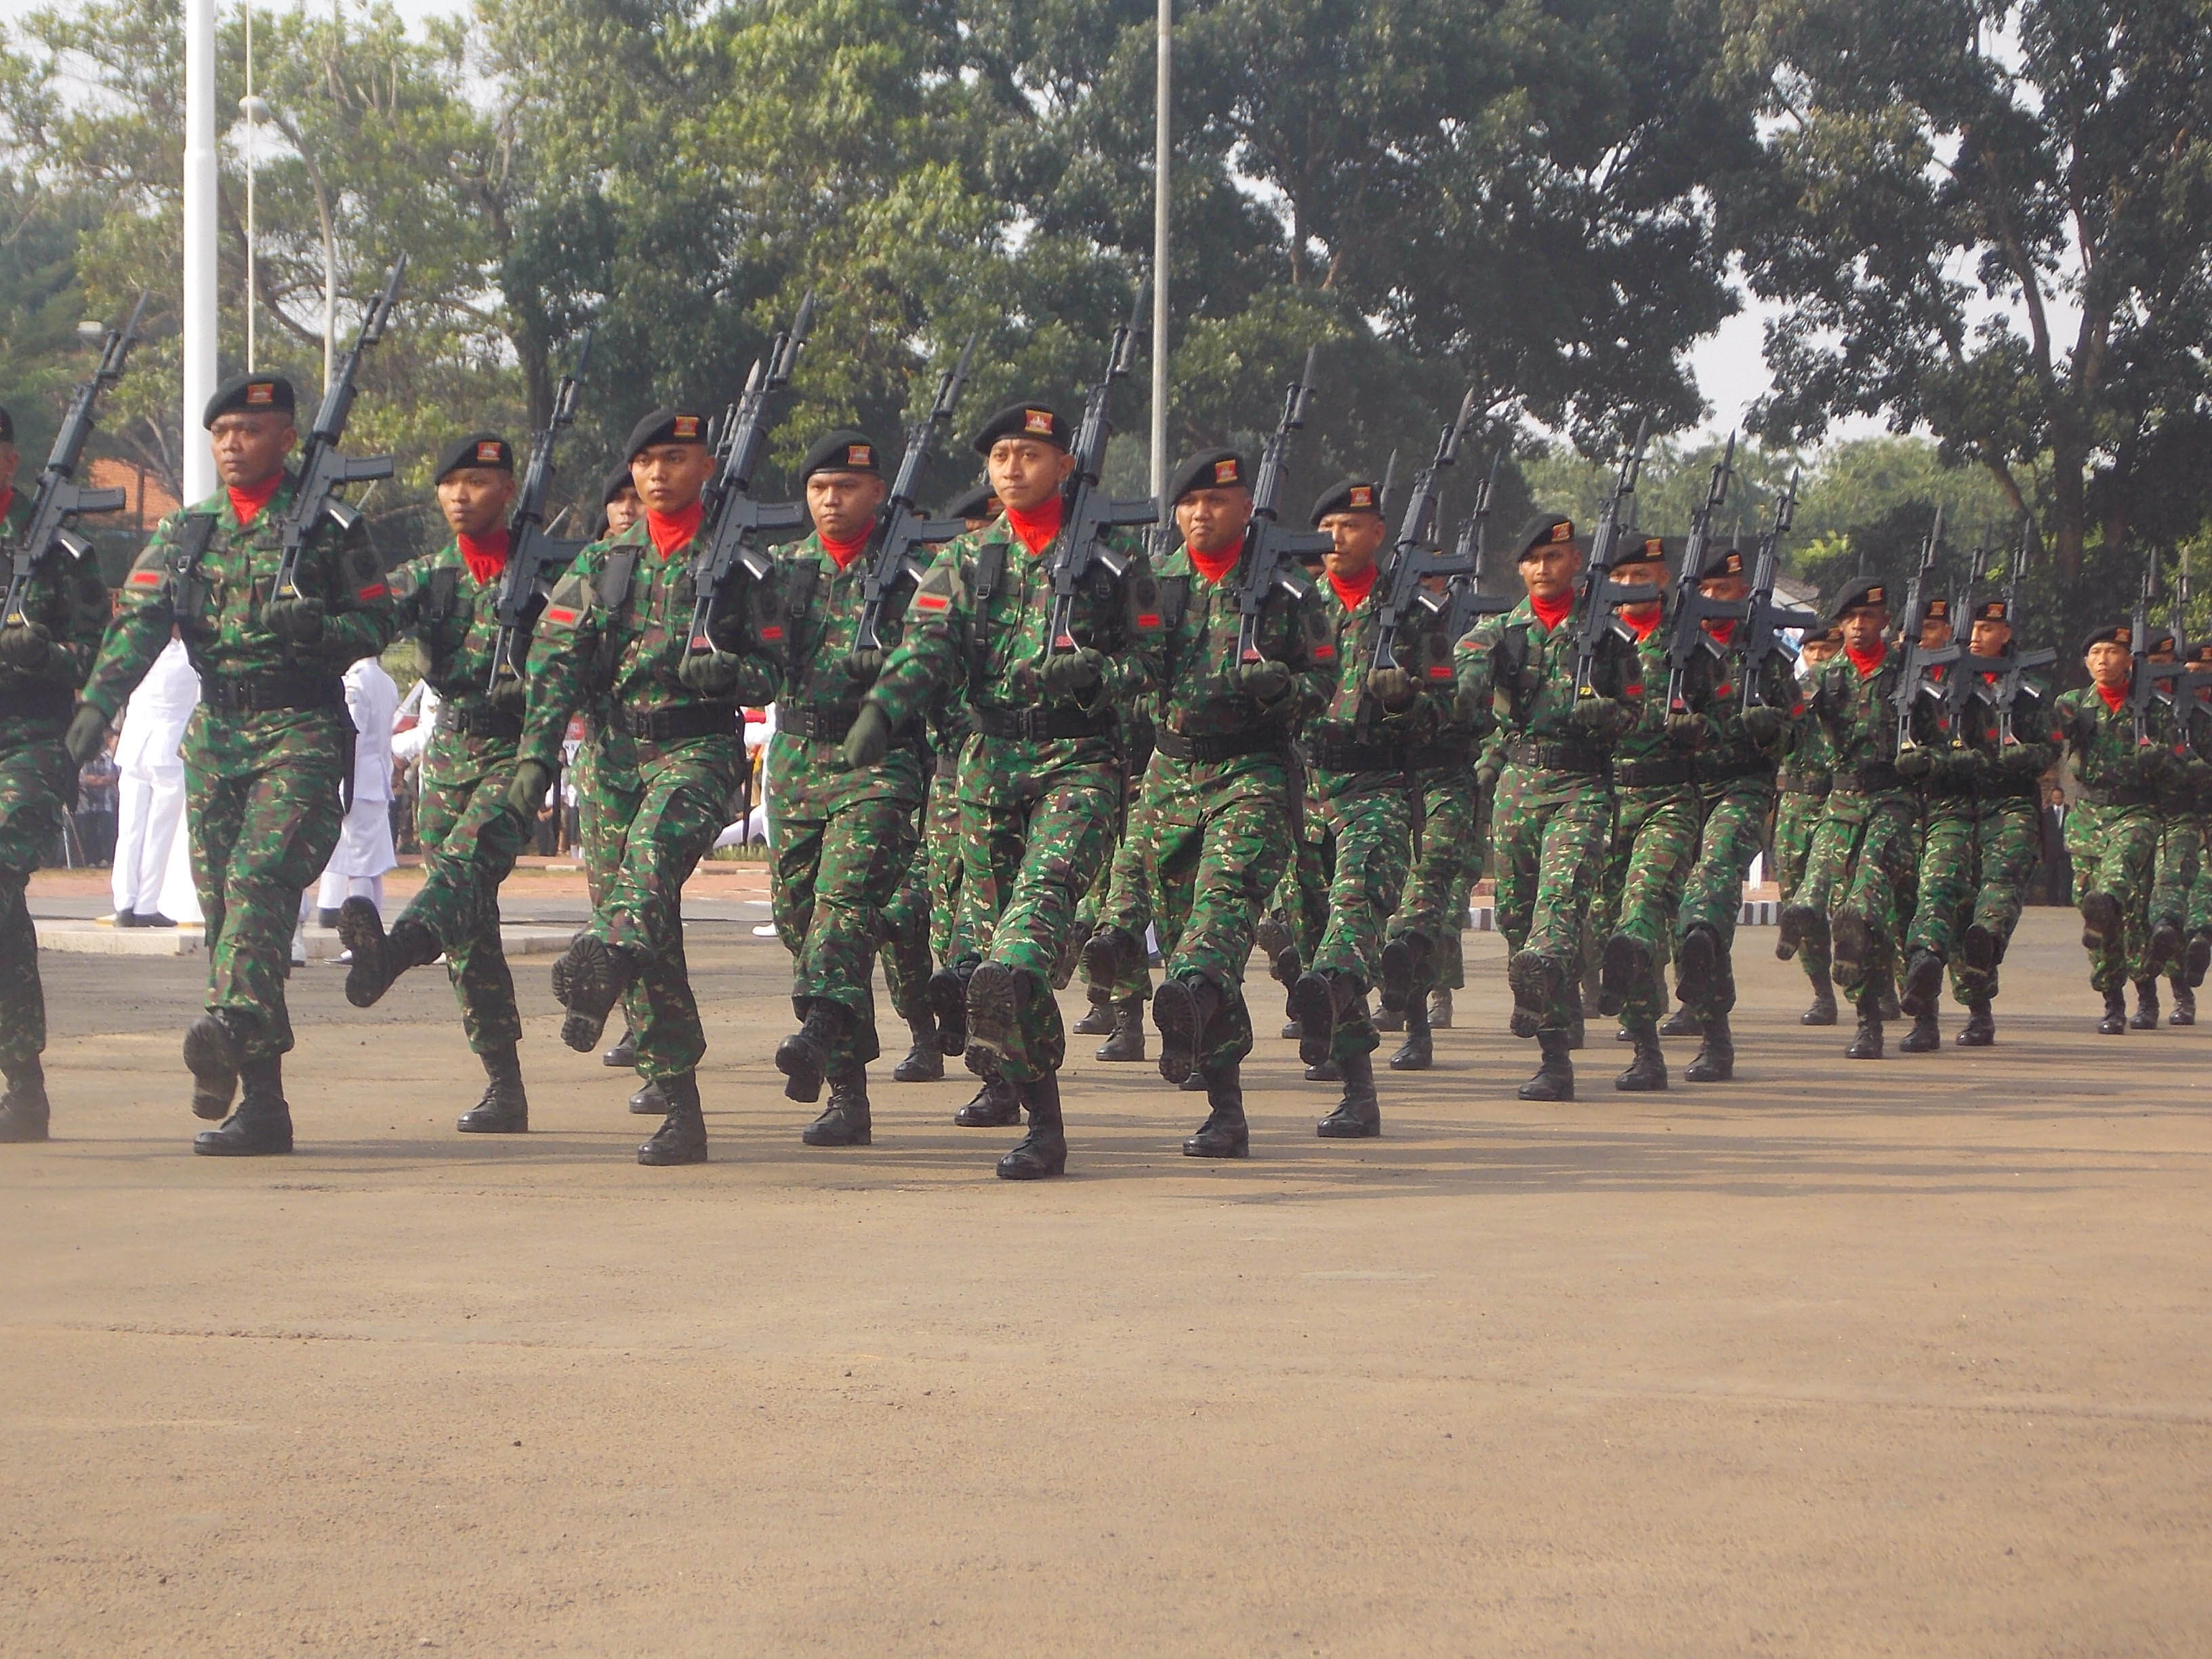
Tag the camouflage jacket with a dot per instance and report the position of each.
(1811, 757)
(2012, 768)
(453, 619)
(1731, 752)
(1855, 713)
(217, 607)
(65, 596)
(613, 636)
(2111, 769)
(1524, 674)
(1331, 736)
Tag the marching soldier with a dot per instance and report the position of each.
(2180, 849)
(2196, 733)
(616, 630)
(42, 663)
(1554, 804)
(1117, 978)
(619, 508)
(267, 754)
(1947, 771)
(1801, 801)
(1040, 780)
(471, 833)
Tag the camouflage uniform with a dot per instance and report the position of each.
(2112, 829)
(2008, 827)
(1945, 881)
(2180, 848)
(271, 746)
(1801, 802)
(64, 597)
(1448, 860)
(917, 923)
(614, 633)
(1040, 779)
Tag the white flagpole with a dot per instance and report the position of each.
(198, 315)
(1162, 137)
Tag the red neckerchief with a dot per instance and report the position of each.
(248, 503)
(841, 554)
(7, 500)
(1351, 594)
(1870, 665)
(2114, 696)
(671, 531)
(1552, 612)
(1036, 530)
(1723, 631)
(1641, 630)
(1214, 566)
(486, 555)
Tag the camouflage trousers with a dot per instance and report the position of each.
(2115, 850)
(2181, 858)
(262, 809)
(1032, 848)
(1444, 869)
(2007, 845)
(918, 923)
(1125, 900)
(1370, 821)
(1731, 836)
(830, 881)
(33, 773)
(599, 776)
(1301, 897)
(1548, 844)
(1211, 862)
(1797, 817)
(2200, 891)
(1946, 882)
(1863, 862)
(660, 821)
(471, 838)
(1647, 865)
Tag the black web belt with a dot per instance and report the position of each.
(1660, 774)
(1040, 724)
(818, 722)
(1210, 747)
(262, 694)
(1341, 754)
(677, 722)
(1428, 757)
(480, 720)
(1558, 757)
(1870, 778)
(1729, 771)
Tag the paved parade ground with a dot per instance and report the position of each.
(1902, 1358)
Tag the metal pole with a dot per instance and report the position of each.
(197, 319)
(1162, 137)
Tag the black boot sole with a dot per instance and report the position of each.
(1696, 972)
(1534, 982)
(2100, 919)
(1923, 983)
(1036, 1159)
(1313, 1006)
(1175, 1014)
(803, 1063)
(1850, 942)
(1398, 966)
(211, 1057)
(948, 1001)
(361, 930)
(1626, 965)
(921, 1065)
(588, 982)
(1793, 925)
(1708, 1066)
(2197, 961)
(1101, 960)
(995, 1008)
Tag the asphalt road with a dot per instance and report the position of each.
(1900, 1359)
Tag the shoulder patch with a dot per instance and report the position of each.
(571, 599)
(941, 587)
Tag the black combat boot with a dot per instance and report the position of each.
(1923, 985)
(1555, 1076)
(1387, 1021)
(2100, 919)
(1866, 1044)
(845, 1120)
(1537, 989)
(2145, 1018)
(1886, 1001)
(1194, 1084)
(1647, 1071)
(211, 1050)
(1184, 1009)
(925, 1060)
(1850, 945)
(1327, 1071)
(2115, 1021)
(1042, 1151)
(997, 996)
(623, 1054)
(948, 1000)
(1716, 1057)
(1980, 1030)
(1624, 966)
(649, 1102)
(2185, 1002)
(1358, 1116)
(1110, 956)
(262, 1125)
(1127, 1042)
(682, 1136)
(997, 1105)
(2197, 957)
(804, 1056)
(1272, 938)
(2165, 947)
(24, 1113)
(504, 1110)
(1225, 1134)
(1925, 1037)
(1417, 1052)
(1440, 1009)
(1798, 923)
(1823, 1010)
(588, 980)
(1098, 1018)
(1314, 1004)
(1978, 953)
(1697, 973)
(379, 958)
(1405, 965)
(1681, 1024)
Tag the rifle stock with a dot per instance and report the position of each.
(1693, 610)
(1088, 513)
(900, 527)
(1596, 592)
(531, 548)
(1269, 549)
(1411, 559)
(1764, 620)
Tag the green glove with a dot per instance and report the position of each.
(1074, 675)
(862, 666)
(1264, 681)
(1686, 731)
(27, 649)
(2020, 756)
(510, 694)
(88, 732)
(527, 791)
(1595, 716)
(1485, 776)
(1966, 764)
(710, 672)
(870, 739)
(1391, 687)
(299, 621)
(1762, 725)
(1915, 760)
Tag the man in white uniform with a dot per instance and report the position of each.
(364, 851)
(150, 792)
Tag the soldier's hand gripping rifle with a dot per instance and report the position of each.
(1465, 603)
(900, 527)
(1413, 556)
(1693, 610)
(1764, 620)
(736, 526)
(1913, 679)
(1269, 550)
(1088, 512)
(323, 471)
(1596, 593)
(532, 552)
(61, 498)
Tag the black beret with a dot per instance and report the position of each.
(618, 479)
(1990, 608)
(1030, 420)
(1210, 469)
(2200, 651)
(2118, 633)
(977, 501)
(666, 426)
(250, 394)
(1865, 594)
(7, 428)
(2162, 639)
(1644, 549)
(485, 449)
(1348, 495)
(1938, 609)
(1545, 529)
(843, 451)
(1724, 562)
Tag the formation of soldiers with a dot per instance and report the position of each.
(1020, 739)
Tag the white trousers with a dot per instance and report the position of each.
(148, 811)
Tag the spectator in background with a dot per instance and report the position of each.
(151, 791)
(95, 806)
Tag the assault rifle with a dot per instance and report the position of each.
(1088, 513)
(735, 524)
(2009, 671)
(323, 471)
(900, 527)
(1595, 592)
(1465, 603)
(1764, 620)
(1270, 550)
(1413, 557)
(530, 549)
(1911, 683)
(61, 498)
(1693, 610)
(2150, 682)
